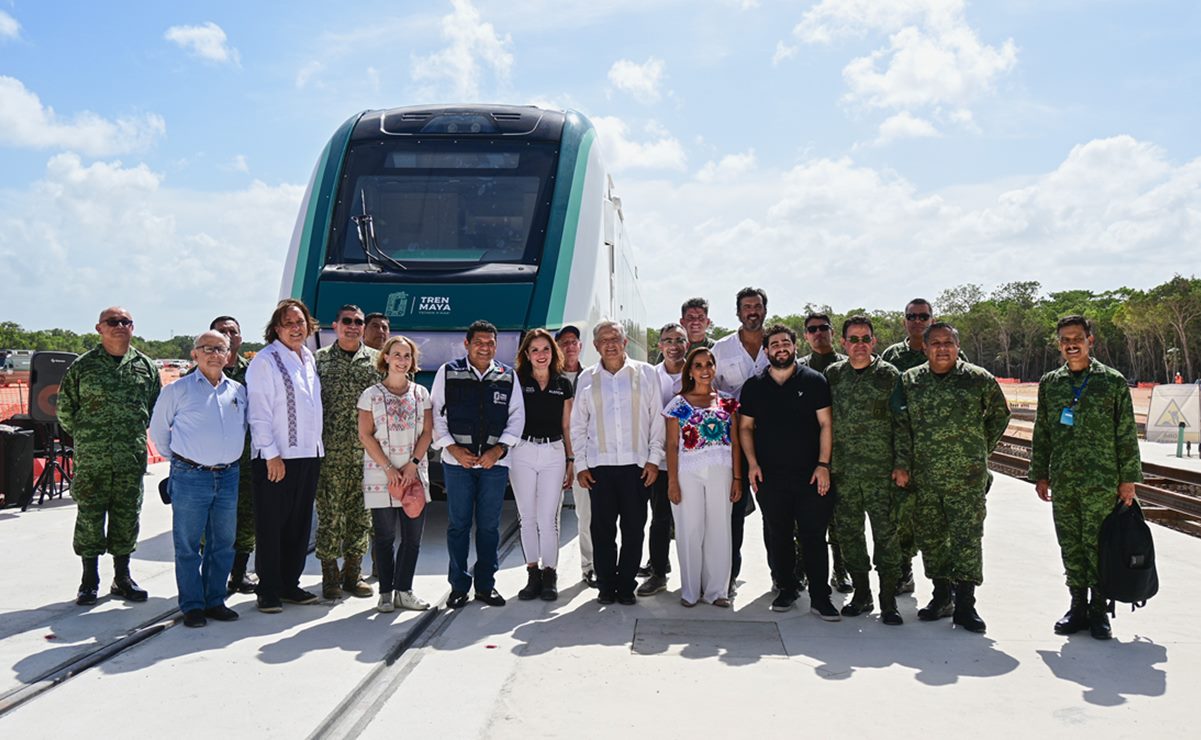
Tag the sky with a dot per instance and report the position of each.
(851, 153)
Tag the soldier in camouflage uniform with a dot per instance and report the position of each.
(240, 579)
(105, 401)
(819, 335)
(955, 413)
(1086, 451)
(346, 368)
(864, 467)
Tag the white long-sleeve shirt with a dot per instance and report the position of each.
(734, 365)
(285, 403)
(442, 437)
(616, 418)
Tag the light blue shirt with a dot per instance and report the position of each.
(200, 421)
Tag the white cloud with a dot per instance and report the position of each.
(728, 167)
(239, 164)
(118, 234)
(206, 41)
(26, 123)
(1114, 212)
(307, 73)
(783, 51)
(662, 152)
(933, 60)
(473, 46)
(9, 27)
(905, 125)
(641, 81)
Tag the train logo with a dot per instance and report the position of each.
(398, 304)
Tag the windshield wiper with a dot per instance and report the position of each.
(365, 228)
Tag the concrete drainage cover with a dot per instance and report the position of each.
(698, 638)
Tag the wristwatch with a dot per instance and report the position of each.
(504, 450)
(821, 464)
(416, 461)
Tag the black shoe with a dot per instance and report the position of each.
(126, 588)
(822, 607)
(905, 582)
(841, 583)
(492, 598)
(194, 618)
(802, 582)
(456, 600)
(941, 605)
(550, 587)
(1076, 618)
(87, 595)
(533, 585)
(605, 598)
(785, 601)
(645, 571)
(590, 579)
(888, 609)
(965, 608)
(298, 595)
(268, 605)
(221, 613)
(1098, 617)
(627, 599)
(239, 580)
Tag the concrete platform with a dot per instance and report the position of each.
(576, 669)
(1165, 454)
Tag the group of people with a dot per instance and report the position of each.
(822, 441)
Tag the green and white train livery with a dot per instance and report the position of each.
(438, 216)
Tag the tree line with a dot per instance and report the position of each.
(13, 336)
(1148, 335)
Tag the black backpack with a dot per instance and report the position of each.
(1126, 557)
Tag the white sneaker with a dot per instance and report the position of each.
(385, 602)
(406, 600)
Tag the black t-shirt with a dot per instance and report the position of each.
(787, 435)
(544, 407)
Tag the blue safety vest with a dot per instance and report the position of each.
(477, 409)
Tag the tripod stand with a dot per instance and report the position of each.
(56, 452)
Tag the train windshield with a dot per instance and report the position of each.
(432, 203)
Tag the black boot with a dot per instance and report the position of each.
(861, 602)
(240, 580)
(941, 605)
(1098, 617)
(965, 608)
(889, 614)
(123, 583)
(1076, 618)
(905, 583)
(90, 585)
(550, 587)
(533, 584)
(840, 581)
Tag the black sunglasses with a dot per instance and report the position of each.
(348, 320)
(119, 322)
(817, 327)
(856, 339)
(917, 317)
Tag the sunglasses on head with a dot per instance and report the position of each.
(859, 340)
(817, 327)
(118, 322)
(352, 320)
(917, 317)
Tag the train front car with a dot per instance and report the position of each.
(438, 216)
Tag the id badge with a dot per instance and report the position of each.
(1067, 417)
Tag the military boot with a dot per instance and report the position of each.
(1098, 617)
(240, 580)
(965, 608)
(839, 581)
(89, 586)
(861, 602)
(123, 583)
(533, 584)
(352, 577)
(331, 580)
(905, 583)
(889, 614)
(1076, 618)
(941, 605)
(550, 584)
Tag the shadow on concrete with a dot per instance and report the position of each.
(1110, 671)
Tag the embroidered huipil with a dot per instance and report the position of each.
(704, 432)
(285, 403)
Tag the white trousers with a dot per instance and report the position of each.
(583, 515)
(703, 544)
(536, 472)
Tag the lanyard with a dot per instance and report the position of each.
(1077, 391)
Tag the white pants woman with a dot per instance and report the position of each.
(703, 543)
(536, 472)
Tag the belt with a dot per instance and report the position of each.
(542, 440)
(193, 464)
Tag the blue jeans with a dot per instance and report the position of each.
(203, 502)
(474, 494)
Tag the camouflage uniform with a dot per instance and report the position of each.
(902, 358)
(954, 421)
(1084, 462)
(864, 458)
(343, 523)
(821, 362)
(105, 403)
(244, 538)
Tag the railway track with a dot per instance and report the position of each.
(1170, 496)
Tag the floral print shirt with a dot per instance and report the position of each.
(704, 432)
